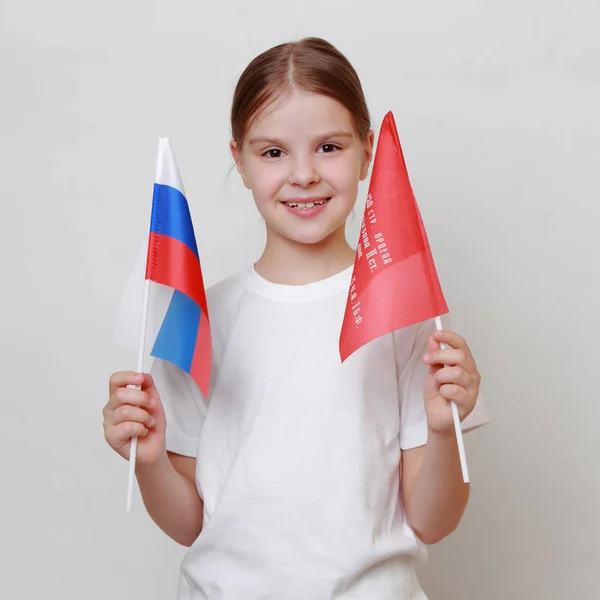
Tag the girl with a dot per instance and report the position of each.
(301, 477)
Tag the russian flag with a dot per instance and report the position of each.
(177, 325)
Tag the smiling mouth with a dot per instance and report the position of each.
(304, 205)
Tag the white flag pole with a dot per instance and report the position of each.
(456, 418)
(140, 369)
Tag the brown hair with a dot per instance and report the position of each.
(312, 65)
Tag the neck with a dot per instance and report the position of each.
(291, 263)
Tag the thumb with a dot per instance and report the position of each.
(149, 386)
(157, 410)
(433, 346)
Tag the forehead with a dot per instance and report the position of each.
(299, 113)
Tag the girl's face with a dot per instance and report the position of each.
(303, 160)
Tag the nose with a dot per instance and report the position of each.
(303, 172)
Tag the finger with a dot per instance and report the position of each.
(433, 346)
(130, 413)
(457, 342)
(123, 379)
(455, 375)
(461, 397)
(123, 396)
(119, 435)
(453, 357)
(455, 393)
(452, 339)
(446, 356)
(149, 386)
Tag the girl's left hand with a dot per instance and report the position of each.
(453, 375)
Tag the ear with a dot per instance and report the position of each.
(236, 154)
(368, 154)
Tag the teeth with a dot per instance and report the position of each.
(302, 205)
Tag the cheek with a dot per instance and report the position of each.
(265, 184)
(346, 177)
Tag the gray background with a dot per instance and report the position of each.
(497, 109)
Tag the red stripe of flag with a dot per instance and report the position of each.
(172, 263)
(201, 360)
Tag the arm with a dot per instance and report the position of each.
(167, 481)
(171, 498)
(435, 496)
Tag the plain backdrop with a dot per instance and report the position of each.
(497, 109)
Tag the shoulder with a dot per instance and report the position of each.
(412, 339)
(225, 300)
(226, 292)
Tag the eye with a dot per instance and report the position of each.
(273, 153)
(329, 148)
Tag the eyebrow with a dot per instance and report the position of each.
(276, 142)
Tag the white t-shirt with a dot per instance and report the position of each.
(298, 455)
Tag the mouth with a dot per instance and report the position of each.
(307, 203)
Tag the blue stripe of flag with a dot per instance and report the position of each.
(176, 340)
(171, 216)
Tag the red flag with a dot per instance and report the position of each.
(394, 283)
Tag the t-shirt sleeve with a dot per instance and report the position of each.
(184, 405)
(412, 372)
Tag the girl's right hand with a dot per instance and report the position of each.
(130, 413)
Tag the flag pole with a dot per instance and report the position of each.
(456, 417)
(140, 369)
